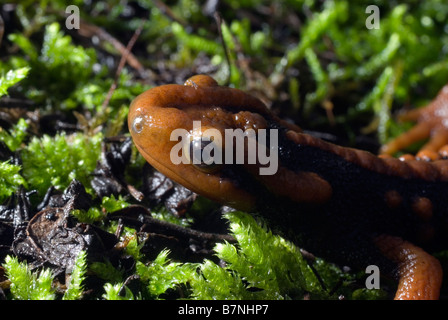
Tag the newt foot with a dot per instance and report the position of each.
(432, 123)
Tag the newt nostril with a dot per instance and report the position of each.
(137, 124)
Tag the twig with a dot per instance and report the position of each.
(88, 30)
(124, 57)
(140, 217)
(8, 102)
(218, 20)
(2, 29)
(169, 13)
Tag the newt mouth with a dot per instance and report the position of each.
(227, 194)
(165, 170)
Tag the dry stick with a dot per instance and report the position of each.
(134, 192)
(89, 30)
(2, 29)
(169, 13)
(123, 60)
(218, 20)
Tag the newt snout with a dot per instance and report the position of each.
(158, 113)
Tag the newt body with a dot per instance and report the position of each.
(345, 204)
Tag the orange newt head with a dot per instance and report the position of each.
(178, 127)
(163, 117)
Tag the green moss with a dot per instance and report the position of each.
(56, 161)
(92, 215)
(58, 67)
(111, 204)
(26, 285)
(16, 136)
(10, 179)
(217, 283)
(261, 266)
(129, 240)
(369, 294)
(38, 285)
(321, 78)
(162, 213)
(319, 24)
(115, 292)
(161, 274)
(74, 286)
(11, 78)
(106, 271)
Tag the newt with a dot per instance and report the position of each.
(349, 205)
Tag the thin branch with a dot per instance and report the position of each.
(218, 20)
(124, 57)
(88, 30)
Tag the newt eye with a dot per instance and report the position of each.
(205, 151)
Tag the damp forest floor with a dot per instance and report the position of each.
(82, 216)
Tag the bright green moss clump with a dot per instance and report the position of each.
(11, 78)
(162, 274)
(37, 285)
(262, 261)
(10, 179)
(27, 285)
(56, 161)
(260, 266)
(74, 287)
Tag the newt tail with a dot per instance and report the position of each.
(344, 204)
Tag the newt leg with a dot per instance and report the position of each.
(420, 274)
(432, 123)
